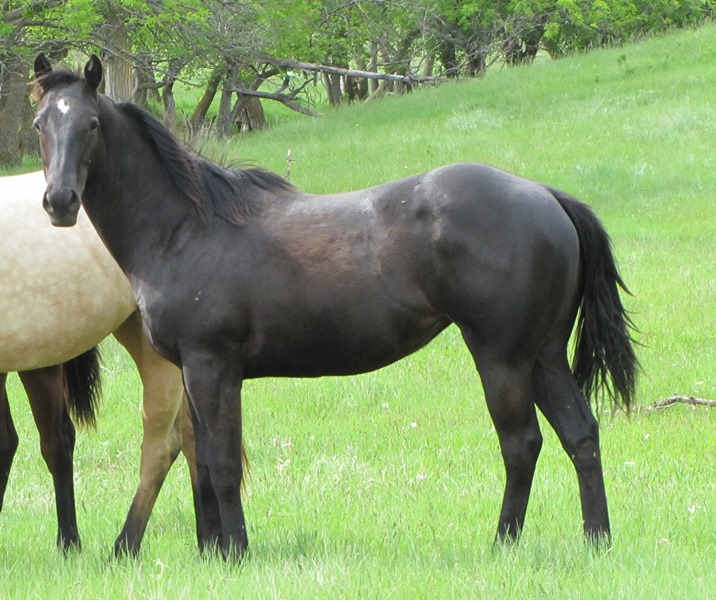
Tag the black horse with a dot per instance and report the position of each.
(238, 275)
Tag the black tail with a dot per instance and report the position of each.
(83, 386)
(604, 358)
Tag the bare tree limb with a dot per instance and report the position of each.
(286, 99)
(678, 399)
(311, 67)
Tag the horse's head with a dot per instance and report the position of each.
(67, 122)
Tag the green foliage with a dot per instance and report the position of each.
(202, 31)
(579, 25)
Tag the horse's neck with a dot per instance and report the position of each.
(129, 200)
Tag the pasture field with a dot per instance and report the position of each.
(388, 485)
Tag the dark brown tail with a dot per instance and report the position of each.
(604, 359)
(83, 386)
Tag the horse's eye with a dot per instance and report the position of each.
(36, 125)
(94, 123)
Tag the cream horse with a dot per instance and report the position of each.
(62, 294)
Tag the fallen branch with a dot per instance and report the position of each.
(311, 67)
(678, 399)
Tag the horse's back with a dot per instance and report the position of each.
(62, 292)
(493, 231)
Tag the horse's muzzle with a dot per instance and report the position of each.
(62, 205)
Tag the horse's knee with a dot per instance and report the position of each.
(533, 446)
(520, 453)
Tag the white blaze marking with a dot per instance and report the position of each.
(63, 107)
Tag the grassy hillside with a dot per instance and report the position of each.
(390, 483)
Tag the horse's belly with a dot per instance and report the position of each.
(309, 349)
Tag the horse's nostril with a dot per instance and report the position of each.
(61, 198)
(46, 204)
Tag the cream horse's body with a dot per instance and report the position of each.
(62, 293)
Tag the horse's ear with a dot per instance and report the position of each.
(93, 72)
(42, 66)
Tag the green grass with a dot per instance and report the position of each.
(389, 484)
(30, 162)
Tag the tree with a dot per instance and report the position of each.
(14, 79)
(13, 102)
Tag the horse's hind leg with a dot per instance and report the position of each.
(8, 439)
(162, 438)
(508, 393)
(563, 405)
(45, 391)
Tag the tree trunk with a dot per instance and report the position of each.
(428, 66)
(448, 56)
(144, 81)
(13, 97)
(29, 142)
(352, 89)
(248, 112)
(403, 59)
(118, 79)
(197, 118)
(170, 111)
(477, 65)
(361, 85)
(373, 66)
(332, 83)
(223, 121)
(251, 115)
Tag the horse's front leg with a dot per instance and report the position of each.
(162, 401)
(207, 535)
(213, 385)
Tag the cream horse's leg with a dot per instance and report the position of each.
(167, 426)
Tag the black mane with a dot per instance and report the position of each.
(211, 191)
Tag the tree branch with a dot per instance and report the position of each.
(678, 399)
(286, 99)
(303, 66)
(15, 14)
